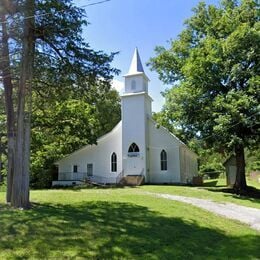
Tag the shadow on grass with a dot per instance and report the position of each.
(90, 187)
(106, 230)
(252, 193)
(210, 184)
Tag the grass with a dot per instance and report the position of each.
(211, 189)
(222, 182)
(119, 224)
(2, 187)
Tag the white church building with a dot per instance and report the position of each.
(136, 147)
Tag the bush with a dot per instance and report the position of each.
(2, 186)
(212, 169)
(42, 179)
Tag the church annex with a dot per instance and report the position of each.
(136, 146)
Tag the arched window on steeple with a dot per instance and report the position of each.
(163, 160)
(133, 148)
(113, 162)
(133, 84)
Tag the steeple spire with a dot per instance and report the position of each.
(135, 79)
(136, 64)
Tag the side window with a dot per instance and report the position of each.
(75, 168)
(90, 169)
(163, 160)
(113, 162)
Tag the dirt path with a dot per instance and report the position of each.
(250, 216)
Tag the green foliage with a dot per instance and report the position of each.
(214, 66)
(253, 160)
(72, 104)
(64, 61)
(210, 161)
(212, 169)
(61, 127)
(162, 119)
(2, 187)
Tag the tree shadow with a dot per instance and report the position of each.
(105, 230)
(91, 187)
(210, 184)
(252, 193)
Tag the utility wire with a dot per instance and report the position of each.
(60, 11)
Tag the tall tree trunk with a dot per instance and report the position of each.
(20, 191)
(9, 107)
(1, 162)
(27, 144)
(240, 183)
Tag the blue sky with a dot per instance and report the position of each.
(122, 25)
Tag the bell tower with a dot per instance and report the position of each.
(135, 79)
(136, 109)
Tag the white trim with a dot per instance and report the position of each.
(137, 74)
(127, 94)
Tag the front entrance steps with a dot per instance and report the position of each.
(132, 180)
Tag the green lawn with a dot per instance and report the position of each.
(119, 224)
(222, 182)
(210, 190)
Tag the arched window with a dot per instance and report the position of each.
(163, 160)
(113, 162)
(133, 148)
(133, 84)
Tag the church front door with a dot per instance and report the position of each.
(134, 166)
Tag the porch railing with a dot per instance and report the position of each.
(102, 179)
(75, 176)
(81, 176)
(119, 177)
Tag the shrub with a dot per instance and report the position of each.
(212, 169)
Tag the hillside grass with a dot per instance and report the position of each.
(221, 182)
(122, 223)
(212, 189)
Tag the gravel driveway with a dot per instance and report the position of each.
(250, 216)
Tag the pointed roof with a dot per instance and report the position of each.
(136, 66)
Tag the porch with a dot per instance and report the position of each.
(78, 178)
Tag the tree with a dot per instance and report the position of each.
(2, 134)
(5, 67)
(214, 66)
(20, 185)
(46, 54)
(59, 127)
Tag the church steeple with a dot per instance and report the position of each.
(136, 110)
(135, 79)
(136, 64)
